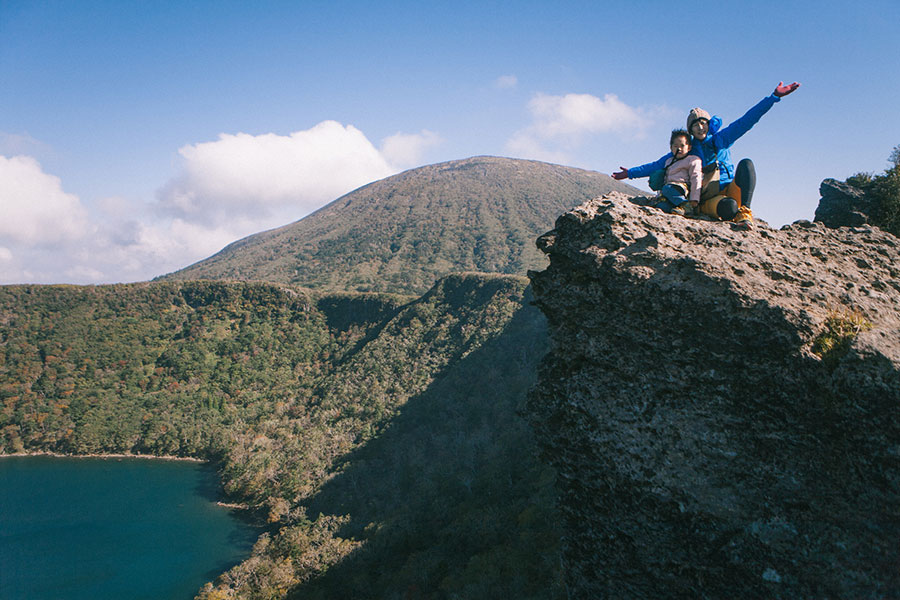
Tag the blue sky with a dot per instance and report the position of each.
(139, 137)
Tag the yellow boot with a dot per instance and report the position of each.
(744, 217)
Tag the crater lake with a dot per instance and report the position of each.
(113, 528)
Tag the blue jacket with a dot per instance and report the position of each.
(645, 170)
(717, 145)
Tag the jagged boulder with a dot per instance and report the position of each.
(843, 205)
(722, 407)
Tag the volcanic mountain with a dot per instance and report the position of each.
(402, 233)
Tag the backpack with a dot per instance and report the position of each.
(657, 180)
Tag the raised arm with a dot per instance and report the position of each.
(730, 134)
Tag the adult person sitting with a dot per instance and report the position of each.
(727, 191)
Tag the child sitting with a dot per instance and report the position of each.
(683, 176)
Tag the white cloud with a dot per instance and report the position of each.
(172, 245)
(405, 150)
(270, 176)
(49, 236)
(505, 82)
(34, 206)
(224, 190)
(575, 114)
(560, 124)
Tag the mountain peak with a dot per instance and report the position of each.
(402, 233)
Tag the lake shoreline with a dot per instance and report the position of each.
(230, 505)
(117, 456)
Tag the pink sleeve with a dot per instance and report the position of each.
(696, 177)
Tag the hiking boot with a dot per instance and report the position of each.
(744, 217)
(677, 210)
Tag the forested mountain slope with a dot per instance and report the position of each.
(378, 429)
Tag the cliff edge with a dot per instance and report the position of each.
(721, 406)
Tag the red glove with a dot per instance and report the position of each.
(623, 174)
(782, 90)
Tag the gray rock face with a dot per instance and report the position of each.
(706, 445)
(843, 205)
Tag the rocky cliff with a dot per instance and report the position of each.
(721, 406)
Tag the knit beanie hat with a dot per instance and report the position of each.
(695, 115)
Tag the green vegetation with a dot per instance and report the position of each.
(884, 189)
(403, 233)
(155, 369)
(369, 419)
(378, 436)
(840, 329)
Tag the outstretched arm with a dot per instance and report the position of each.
(642, 170)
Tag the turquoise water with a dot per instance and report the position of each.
(97, 529)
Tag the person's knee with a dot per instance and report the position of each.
(673, 194)
(727, 208)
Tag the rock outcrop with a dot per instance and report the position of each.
(722, 407)
(844, 205)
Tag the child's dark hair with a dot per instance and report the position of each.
(677, 133)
